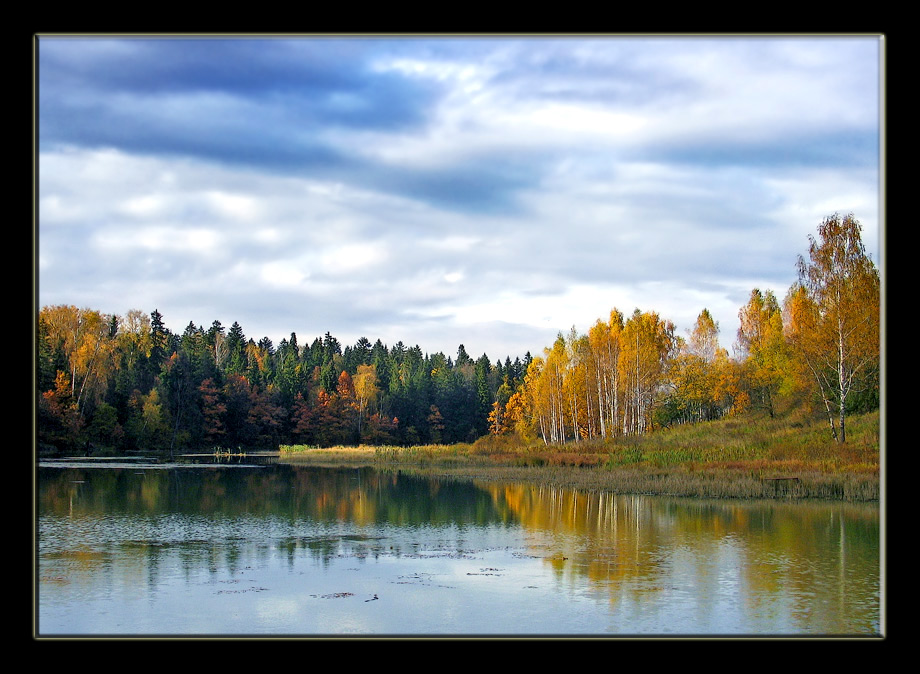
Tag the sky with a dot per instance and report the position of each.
(444, 190)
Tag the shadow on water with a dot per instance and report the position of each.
(244, 459)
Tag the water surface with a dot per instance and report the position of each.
(291, 550)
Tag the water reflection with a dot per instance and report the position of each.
(812, 564)
(649, 565)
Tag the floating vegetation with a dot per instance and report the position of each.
(250, 589)
(486, 572)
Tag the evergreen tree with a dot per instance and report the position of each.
(236, 350)
(159, 343)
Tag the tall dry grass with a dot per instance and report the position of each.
(730, 458)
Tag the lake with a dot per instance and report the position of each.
(148, 549)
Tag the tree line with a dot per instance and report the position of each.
(129, 383)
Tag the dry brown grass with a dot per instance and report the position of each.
(726, 459)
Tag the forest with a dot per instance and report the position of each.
(125, 383)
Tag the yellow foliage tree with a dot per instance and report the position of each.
(87, 339)
(648, 343)
(762, 347)
(835, 316)
(365, 385)
(604, 343)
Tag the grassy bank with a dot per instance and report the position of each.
(750, 457)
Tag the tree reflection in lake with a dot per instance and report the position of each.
(301, 550)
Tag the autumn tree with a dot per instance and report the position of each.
(582, 405)
(59, 422)
(605, 344)
(515, 416)
(835, 316)
(303, 420)
(265, 418)
(345, 392)
(647, 344)
(597, 385)
(380, 429)
(498, 423)
(85, 340)
(133, 345)
(535, 405)
(697, 375)
(761, 345)
(365, 387)
(500, 417)
(213, 410)
(691, 380)
(259, 361)
(704, 338)
(553, 394)
(729, 393)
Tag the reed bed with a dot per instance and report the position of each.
(757, 457)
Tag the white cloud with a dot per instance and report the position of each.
(602, 215)
(451, 243)
(352, 258)
(284, 274)
(233, 206)
(159, 239)
(144, 206)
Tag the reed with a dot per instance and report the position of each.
(731, 458)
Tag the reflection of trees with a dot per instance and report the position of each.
(609, 537)
(216, 500)
(768, 555)
(839, 551)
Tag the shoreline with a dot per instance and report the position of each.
(743, 480)
(755, 480)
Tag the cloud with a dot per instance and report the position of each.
(486, 191)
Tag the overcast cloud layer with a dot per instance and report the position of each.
(489, 192)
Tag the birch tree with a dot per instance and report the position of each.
(604, 345)
(835, 316)
(87, 342)
(647, 344)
